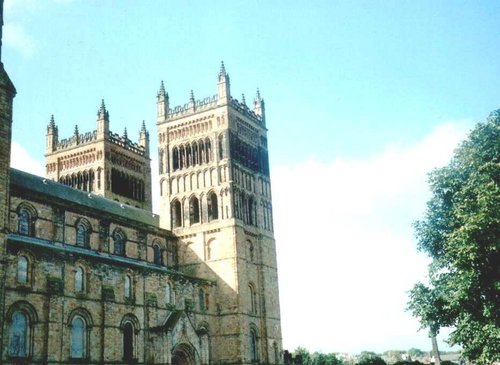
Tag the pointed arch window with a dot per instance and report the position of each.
(194, 210)
(202, 300)
(22, 270)
(78, 343)
(213, 209)
(18, 335)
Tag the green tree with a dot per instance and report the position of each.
(461, 233)
(413, 352)
(370, 358)
(302, 356)
(325, 359)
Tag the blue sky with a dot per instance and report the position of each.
(364, 97)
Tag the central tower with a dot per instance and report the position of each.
(216, 197)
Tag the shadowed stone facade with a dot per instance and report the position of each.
(91, 276)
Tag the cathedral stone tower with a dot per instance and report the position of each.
(216, 197)
(102, 162)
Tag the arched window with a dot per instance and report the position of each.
(196, 157)
(201, 152)
(22, 270)
(128, 342)
(208, 150)
(182, 157)
(189, 157)
(18, 335)
(175, 159)
(119, 242)
(213, 209)
(78, 345)
(24, 222)
(128, 287)
(79, 279)
(176, 214)
(251, 216)
(26, 215)
(82, 233)
(194, 210)
(157, 259)
(254, 353)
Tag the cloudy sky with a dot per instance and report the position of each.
(363, 99)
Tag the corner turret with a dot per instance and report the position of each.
(144, 139)
(162, 104)
(223, 86)
(52, 135)
(102, 121)
(259, 107)
(192, 102)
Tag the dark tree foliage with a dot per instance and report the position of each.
(461, 233)
(410, 363)
(302, 357)
(370, 358)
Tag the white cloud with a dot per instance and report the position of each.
(349, 259)
(16, 37)
(22, 160)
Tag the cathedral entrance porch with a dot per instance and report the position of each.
(183, 354)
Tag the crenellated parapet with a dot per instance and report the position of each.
(126, 143)
(77, 139)
(243, 108)
(223, 98)
(191, 107)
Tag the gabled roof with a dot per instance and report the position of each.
(41, 188)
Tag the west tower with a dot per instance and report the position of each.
(216, 197)
(102, 162)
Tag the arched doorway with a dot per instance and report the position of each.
(183, 354)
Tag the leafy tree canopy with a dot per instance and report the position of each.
(303, 357)
(370, 358)
(413, 352)
(461, 233)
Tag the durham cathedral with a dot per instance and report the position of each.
(90, 275)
